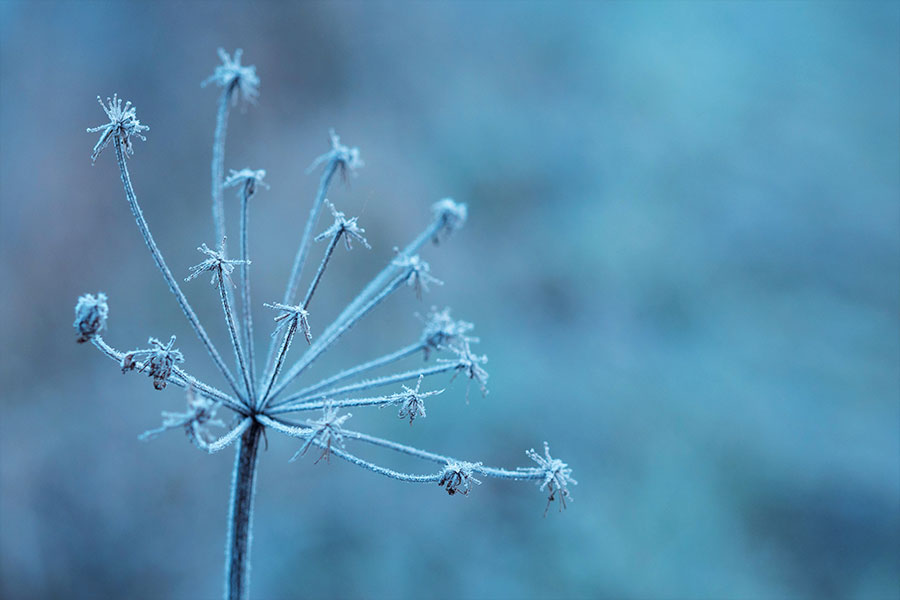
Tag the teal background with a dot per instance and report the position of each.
(683, 260)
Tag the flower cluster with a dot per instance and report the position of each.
(260, 397)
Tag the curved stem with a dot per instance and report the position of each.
(243, 488)
(167, 274)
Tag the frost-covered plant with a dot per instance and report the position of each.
(258, 396)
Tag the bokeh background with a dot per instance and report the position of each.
(683, 260)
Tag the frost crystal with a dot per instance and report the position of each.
(90, 316)
(159, 359)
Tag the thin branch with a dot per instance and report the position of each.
(245, 286)
(313, 353)
(167, 274)
(232, 330)
(179, 378)
(230, 437)
(358, 369)
(296, 401)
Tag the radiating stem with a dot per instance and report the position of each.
(240, 518)
(384, 275)
(313, 353)
(167, 274)
(279, 361)
(294, 401)
(218, 161)
(245, 288)
(300, 259)
(359, 369)
(232, 330)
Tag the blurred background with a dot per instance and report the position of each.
(683, 260)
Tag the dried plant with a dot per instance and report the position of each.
(259, 399)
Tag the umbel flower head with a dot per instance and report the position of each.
(123, 123)
(258, 384)
(91, 313)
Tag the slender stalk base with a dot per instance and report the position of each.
(243, 489)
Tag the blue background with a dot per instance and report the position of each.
(683, 260)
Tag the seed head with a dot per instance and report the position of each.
(452, 215)
(557, 476)
(326, 432)
(418, 273)
(291, 314)
(412, 401)
(458, 477)
(90, 316)
(247, 179)
(123, 123)
(442, 331)
(343, 226)
(231, 74)
(158, 360)
(346, 158)
(216, 263)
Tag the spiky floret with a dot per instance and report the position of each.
(215, 263)
(345, 157)
(443, 331)
(91, 313)
(325, 432)
(469, 364)
(556, 476)
(348, 228)
(247, 180)
(418, 273)
(123, 124)
(412, 401)
(452, 215)
(231, 74)
(291, 314)
(195, 421)
(458, 477)
(158, 361)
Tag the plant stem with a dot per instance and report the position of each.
(245, 288)
(218, 162)
(240, 518)
(167, 274)
(232, 330)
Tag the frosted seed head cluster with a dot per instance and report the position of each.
(451, 215)
(418, 273)
(91, 313)
(291, 316)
